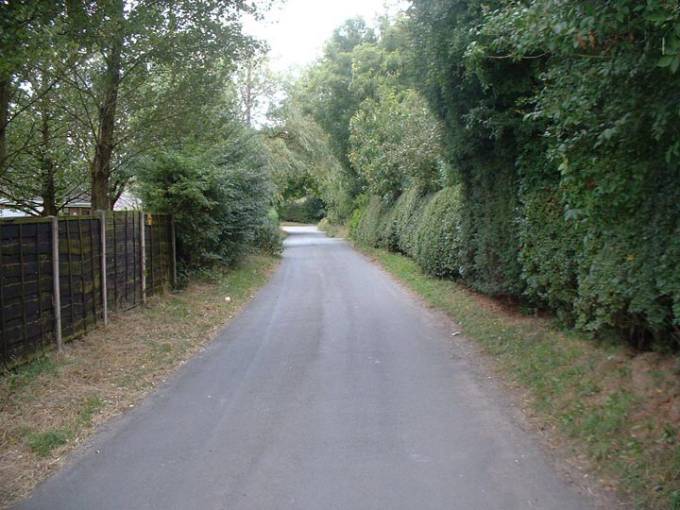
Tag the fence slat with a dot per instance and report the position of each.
(70, 275)
(37, 268)
(125, 236)
(24, 333)
(82, 276)
(136, 258)
(142, 254)
(5, 340)
(103, 277)
(151, 257)
(115, 262)
(56, 284)
(93, 260)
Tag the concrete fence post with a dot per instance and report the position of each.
(56, 287)
(142, 243)
(103, 279)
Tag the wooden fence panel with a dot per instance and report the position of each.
(26, 316)
(123, 260)
(79, 275)
(158, 253)
(27, 319)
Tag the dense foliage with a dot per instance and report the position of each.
(553, 133)
(102, 97)
(356, 102)
(305, 170)
(399, 127)
(220, 199)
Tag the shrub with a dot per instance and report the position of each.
(219, 199)
(355, 221)
(437, 248)
(268, 238)
(366, 229)
(408, 211)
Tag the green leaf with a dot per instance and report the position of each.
(665, 61)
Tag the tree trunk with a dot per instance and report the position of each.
(100, 170)
(48, 191)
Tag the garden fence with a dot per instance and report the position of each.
(59, 276)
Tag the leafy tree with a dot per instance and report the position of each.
(27, 35)
(356, 64)
(395, 143)
(326, 93)
(48, 172)
(256, 86)
(133, 45)
(303, 163)
(92, 86)
(37, 146)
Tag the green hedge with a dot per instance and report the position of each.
(424, 227)
(563, 129)
(408, 213)
(365, 225)
(550, 256)
(620, 277)
(437, 236)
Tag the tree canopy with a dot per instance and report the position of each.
(551, 129)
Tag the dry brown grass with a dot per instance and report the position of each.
(51, 405)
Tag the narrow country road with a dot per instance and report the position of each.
(333, 389)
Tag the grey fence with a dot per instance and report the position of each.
(59, 277)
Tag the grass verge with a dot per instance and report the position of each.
(55, 402)
(617, 410)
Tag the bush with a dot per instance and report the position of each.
(219, 200)
(268, 238)
(366, 229)
(408, 212)
(437, 247)
(355, 221)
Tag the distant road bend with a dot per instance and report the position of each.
(333, 389)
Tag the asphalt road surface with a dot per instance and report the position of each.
(334, 389)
